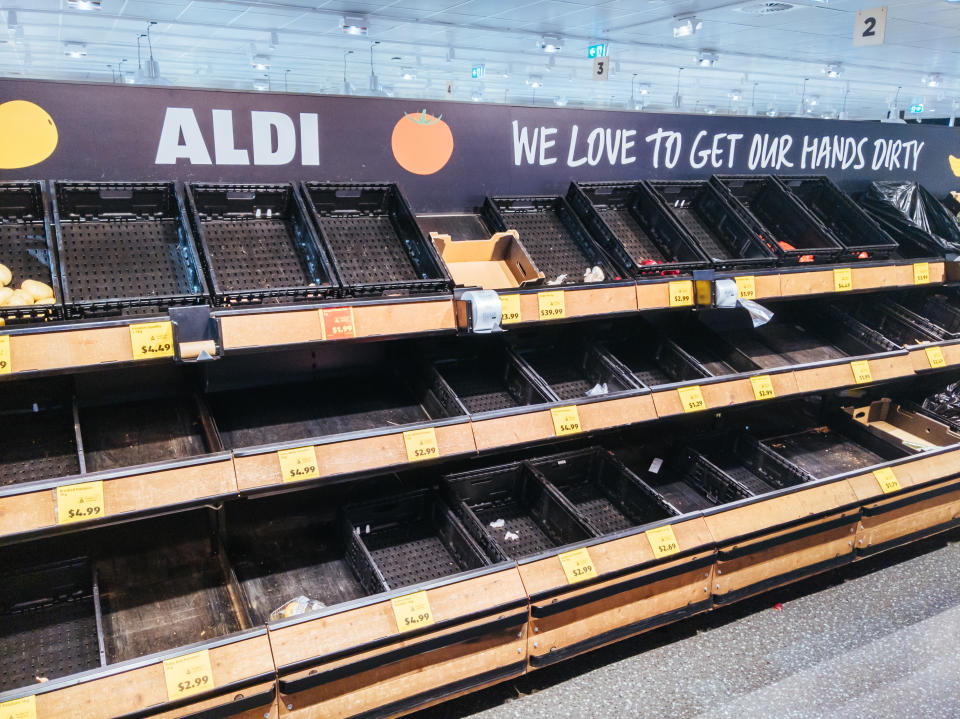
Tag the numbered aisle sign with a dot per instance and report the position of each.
(601, 68)
(870, 27)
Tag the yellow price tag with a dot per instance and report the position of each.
(412, 611)
(421, 444)
(691, 398)
(336, 323)
(80, 502)
(746, 287)
(887, 480)
(151, 340)
(299, 463)
(762, 387)
(921, 273)
(935, 357)
(681, 293)
(6, 364)
(861, 371)
(566, 420)
(510, 309)
(188, 674)
(663, 541)
(24, 708)
(842, 279)
(577, 565)
(552, 305)
(704, 292)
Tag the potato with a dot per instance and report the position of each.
(5, 294)
(5, 275)
(19, 298)
(37, 290)
(46, 301)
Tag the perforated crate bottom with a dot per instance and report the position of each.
(255, 254)
(549, 243)
(797, 345)
(23, 248)
(37, 445)
(530, 537)
(684, 497)
(47, 642)
(413, 560)
(476, 389)
(565, 378)
(754, 484)
(823, 452)
(705, 237)
(367, 250)
(143, 258)
(602, 514)
(632, 236)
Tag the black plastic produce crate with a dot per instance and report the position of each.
(410, 539)
(27, 246)
(780, 220)
(373, 239)
(710, 352)
(608, 496)
(554, 237)
(513, 512)
(49, 623)
(258, 244)
(742, 458)
(652, 359)
(626, 219)
(893, 321)
(722, 234)
(859, 235)
(942, 310)
(125, 248)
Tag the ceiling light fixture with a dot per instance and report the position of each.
(261, 84)
(550, 43)
(74, 49)
(707, 58)
(933, 80)
(772, 112)
(535, 81)
(686, 26)
(476, 95)
(710, 109)
(408, 74)
(560, 101)
(84, 4)
(735, 95)
(260, 62)
(833, 70)
(354, 24)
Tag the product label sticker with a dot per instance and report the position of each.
(921, 273)
(412, 611)
(566, 420)
(337, 323)
(663, 541)
(151, 340)
(935, 357)
(188, 674)
(746, 287)
(421, 444)
(577, 565)
(681, 293)
(510, 309)
(762, 387)
(300, 463)
(691, 398)
(6, 364)
(552, 305)
(861, 371)
(887, 480)
(80, 502)
(24, 708)
(842, 279)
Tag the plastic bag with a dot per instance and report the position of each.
(913, 216)
(295, 607)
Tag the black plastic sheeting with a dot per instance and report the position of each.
(904, 207)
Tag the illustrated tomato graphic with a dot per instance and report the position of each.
(28, 134)
(421, 143)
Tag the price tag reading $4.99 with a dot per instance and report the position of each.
(577, 565)
(188, 674)
(299, 463)
(510, 309)
(6, 365)
(412, 611)
(421, 444)
(80, 502)
(24, 708)
(553, 305)
(663, 541)
(151, 340)
(566, 420)
(681, 293)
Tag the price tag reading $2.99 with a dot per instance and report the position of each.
(681, 293)
(421, 444)
(188, 674)
(577, 565)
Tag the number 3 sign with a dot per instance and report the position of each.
(870, 27)
(601, 68)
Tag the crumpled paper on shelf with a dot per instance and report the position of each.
(295, 607)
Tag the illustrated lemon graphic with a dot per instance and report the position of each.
(28, 134)
(421, 143)
(955, 165)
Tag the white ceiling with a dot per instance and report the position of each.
(207, 43)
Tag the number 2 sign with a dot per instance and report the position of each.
(870, 27)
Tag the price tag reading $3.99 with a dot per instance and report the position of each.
(412, 611)
(151, 340)
(510, 309)
(188, 674)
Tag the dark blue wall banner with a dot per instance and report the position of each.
(446, 156)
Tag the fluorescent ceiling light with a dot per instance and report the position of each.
(643, 89)
(261, 84)
(408, 74)
(707, 58)
(833, 70)
(560, 101)
(74, 49)
(354, 24)
(550, 43)
(933, 80)
(84, 4)
(812, 100)
(735, 95)
(260, 62)
(710, 109)
(686, 26)
(535, 81)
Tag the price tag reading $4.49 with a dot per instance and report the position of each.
(299, 463)
(188, 674)
(921, 273)
(412, 611)
(663, 541)
(577, 565)
(421, 444)
(842, 279)
(151, 340)
(23, 708)
(80, 502)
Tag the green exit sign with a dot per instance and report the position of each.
(599, 50)
(916, 109)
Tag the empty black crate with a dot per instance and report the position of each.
(571, 367)
(608, 496)
(373, 239)
(779, 218)
(893, 321)
(513, 512)
(491, 379)
(125, 247)
(824, 451)
(26, 246)
(710, 352)
(854, 229)
(258, 244)
(652, 359)
(48, 623)
(555, 239)
(39, 434)
(627, 220)
(741, 458)
(713, 224)
(413, 538)
(942, 310)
